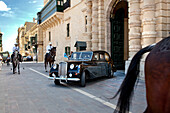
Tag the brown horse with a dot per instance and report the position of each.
(49, 58)
(157, 77)
(16, 62)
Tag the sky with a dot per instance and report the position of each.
(14, 14)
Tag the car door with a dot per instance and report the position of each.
(94, 69)
(102, 64)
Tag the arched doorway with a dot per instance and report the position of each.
(119, 38)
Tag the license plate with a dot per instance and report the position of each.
(62, 76)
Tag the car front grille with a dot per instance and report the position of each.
(62, 69)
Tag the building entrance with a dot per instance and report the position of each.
(118, 45)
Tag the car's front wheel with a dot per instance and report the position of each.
(57, 82)
(50, 75)
(83, 79)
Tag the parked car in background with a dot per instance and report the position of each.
(34, 58)
(29, 58)
(24, 58)
(82, 66)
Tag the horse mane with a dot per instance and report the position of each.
(127, 87)
(54, 48)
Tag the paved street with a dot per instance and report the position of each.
(32, 92)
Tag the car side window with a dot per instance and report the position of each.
(96, 56)
(102, 56)
(107, 58)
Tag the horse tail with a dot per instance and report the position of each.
(127, 87)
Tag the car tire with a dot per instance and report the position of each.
(83, 79)
(111, 74)
(56, 82)
(50, 75)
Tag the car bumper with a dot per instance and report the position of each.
(66, 79)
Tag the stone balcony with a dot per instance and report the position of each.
(53, 7)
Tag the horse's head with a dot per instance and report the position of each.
(53, 51)
(16, 53)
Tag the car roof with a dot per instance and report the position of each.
(97, 51)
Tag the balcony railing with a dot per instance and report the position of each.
(49, 9)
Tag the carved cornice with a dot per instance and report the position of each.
(53, 20)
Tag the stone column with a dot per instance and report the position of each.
(134, 30)
(95, 39)
(162, 11)
(89, 24)
(134, 27)
(40, 44)
(44, 42)
(148, 22)
(101, 25)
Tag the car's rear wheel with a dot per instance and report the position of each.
(83, 79)
(111, 74)
(57, 82)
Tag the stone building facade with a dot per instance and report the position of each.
(121, 27)
(21, 40)
(27, 39)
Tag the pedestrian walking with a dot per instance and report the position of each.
(8, 60)
(1, 59)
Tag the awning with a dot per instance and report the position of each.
(80, 44)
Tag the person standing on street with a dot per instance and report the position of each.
(1, 59)
(8, 60)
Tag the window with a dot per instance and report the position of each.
(96, 56)
(58, 3)
(107, 58)
(102, 56)
(85, 23)
(26, 47)
(68, 29)
(22, 33)
(62, 3)
(67, 50)
(49, 36)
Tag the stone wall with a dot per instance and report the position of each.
(148, 22)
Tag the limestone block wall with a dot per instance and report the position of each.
(148, 22)
(75, 15)
(75, 2)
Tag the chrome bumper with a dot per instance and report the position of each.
(66, 79)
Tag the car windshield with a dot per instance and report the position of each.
(81, 56)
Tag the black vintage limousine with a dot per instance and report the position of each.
(82, 66)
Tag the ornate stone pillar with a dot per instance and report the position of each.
(134, 27)
(162, 13)
(89, 24)
(40, 44)
(101, 25)
(44, 42)
(148, 22)
(95, 39)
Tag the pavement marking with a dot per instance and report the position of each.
(84, 93)
(31, 62)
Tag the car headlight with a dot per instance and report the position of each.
(72, 66)
(70, 75)
(54, 66)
